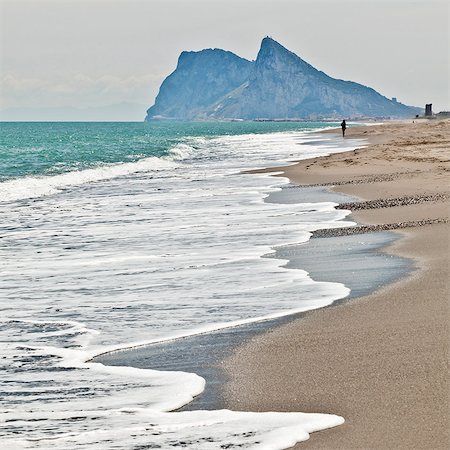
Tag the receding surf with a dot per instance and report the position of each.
(162, 238)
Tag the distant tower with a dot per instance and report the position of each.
(428, 111)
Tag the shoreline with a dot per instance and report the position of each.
(378, 360)
(150, 354)
(188, 353)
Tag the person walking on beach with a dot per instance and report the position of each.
(343, 126)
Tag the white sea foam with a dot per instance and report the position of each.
(153, 251)
(32, 187)
(266, 431)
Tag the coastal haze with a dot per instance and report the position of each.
(105, 60)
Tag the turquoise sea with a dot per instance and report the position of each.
(33, 148)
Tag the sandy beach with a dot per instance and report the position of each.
(380, 361)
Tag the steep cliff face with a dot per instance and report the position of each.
(198, 81)
(278, 85)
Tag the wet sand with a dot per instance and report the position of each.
(380, 361)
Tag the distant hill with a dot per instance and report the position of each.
(215, 84)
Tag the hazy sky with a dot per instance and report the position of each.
(89, 54)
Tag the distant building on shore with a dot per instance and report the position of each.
(428, 109)
(443, 115)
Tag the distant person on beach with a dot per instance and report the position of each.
(343, 126)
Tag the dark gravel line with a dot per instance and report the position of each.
(390, 202)
(361, 180)
(361, 229)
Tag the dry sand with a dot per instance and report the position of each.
(380, 361)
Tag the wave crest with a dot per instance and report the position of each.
(33, 186)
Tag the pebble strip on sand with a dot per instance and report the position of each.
(390, 202)
(361, 229)
(360, 180)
